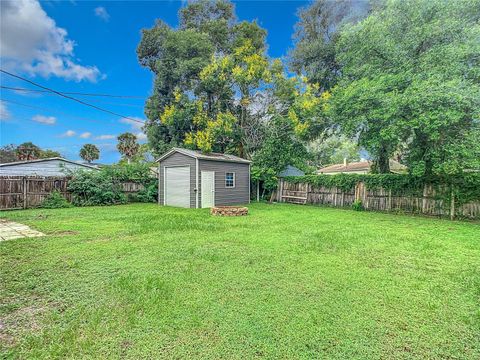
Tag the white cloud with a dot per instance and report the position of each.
(141, 136)
(102, 13)
(105, 137)
(85, 135)
(4, 113)
(30, 41)
(68, 133)
(47, 120)
(136, 125)
(135, 122)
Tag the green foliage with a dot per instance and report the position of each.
(95, 188)
(280, 148)
(8, 153)
(149, 194)
(198, 69)
(128, 145)
(47, 153)
(410, 80)
(89, 152)
(55, 200)
(357, 205)
(103, 187)
(317, 33)
(333, 149)
(466, 186)
(28, 151)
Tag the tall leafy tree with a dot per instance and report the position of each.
(128, 145)
(89, 153)
(316, 35)
(198, 69)
(410, 77)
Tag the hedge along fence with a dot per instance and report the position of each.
(457, 196)
(111, 185)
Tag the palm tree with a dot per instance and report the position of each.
(89, 152)
(128, 145)
(28, 151)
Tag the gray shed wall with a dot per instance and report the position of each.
(177, 159)
(240, 194)
(42, 168)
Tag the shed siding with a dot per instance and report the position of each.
(43, 168)
(227, 196)
(177, 159)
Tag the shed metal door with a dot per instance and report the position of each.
(208, 189)
(177, 186)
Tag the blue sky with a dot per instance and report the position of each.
(87, 46)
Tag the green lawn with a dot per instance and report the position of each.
(287, 281)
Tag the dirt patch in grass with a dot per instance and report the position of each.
(25, 319)
(63, 232)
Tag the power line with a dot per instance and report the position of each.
(72, 93)
(71, 98)
(52, 110)
(51, 94)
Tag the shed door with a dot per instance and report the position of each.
(177, 186)
(208, 189)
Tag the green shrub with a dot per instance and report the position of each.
(149, 194)
(104, 187)
(357, 205)
(95, 188)
(55, 200)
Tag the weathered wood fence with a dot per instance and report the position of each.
(23, 192)
(426, 202)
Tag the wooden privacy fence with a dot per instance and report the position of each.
(426, 202)
(23, 192)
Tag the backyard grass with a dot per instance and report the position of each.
(287, 281)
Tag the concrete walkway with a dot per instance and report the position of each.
(10, 230)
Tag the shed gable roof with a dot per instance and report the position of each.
(201, 156)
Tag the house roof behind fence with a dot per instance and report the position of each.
(47, 159)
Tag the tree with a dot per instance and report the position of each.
(410, 78)
(333, 149)
(198, 69)
(47, 153)
(89, 153)
(8, 153)
(28, 151)
(128, 145)
(317, 33)
(280, 148)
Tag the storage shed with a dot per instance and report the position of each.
(192, 179)
(55, 166)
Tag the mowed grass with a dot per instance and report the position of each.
(287, 281)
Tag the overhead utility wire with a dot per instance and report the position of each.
(74, 93)
(71, 98)
(53, 110)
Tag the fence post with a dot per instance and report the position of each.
(424, 199)
(389, 199)
(24, 192)
(452, 205)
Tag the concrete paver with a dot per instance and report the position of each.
(10, 230)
